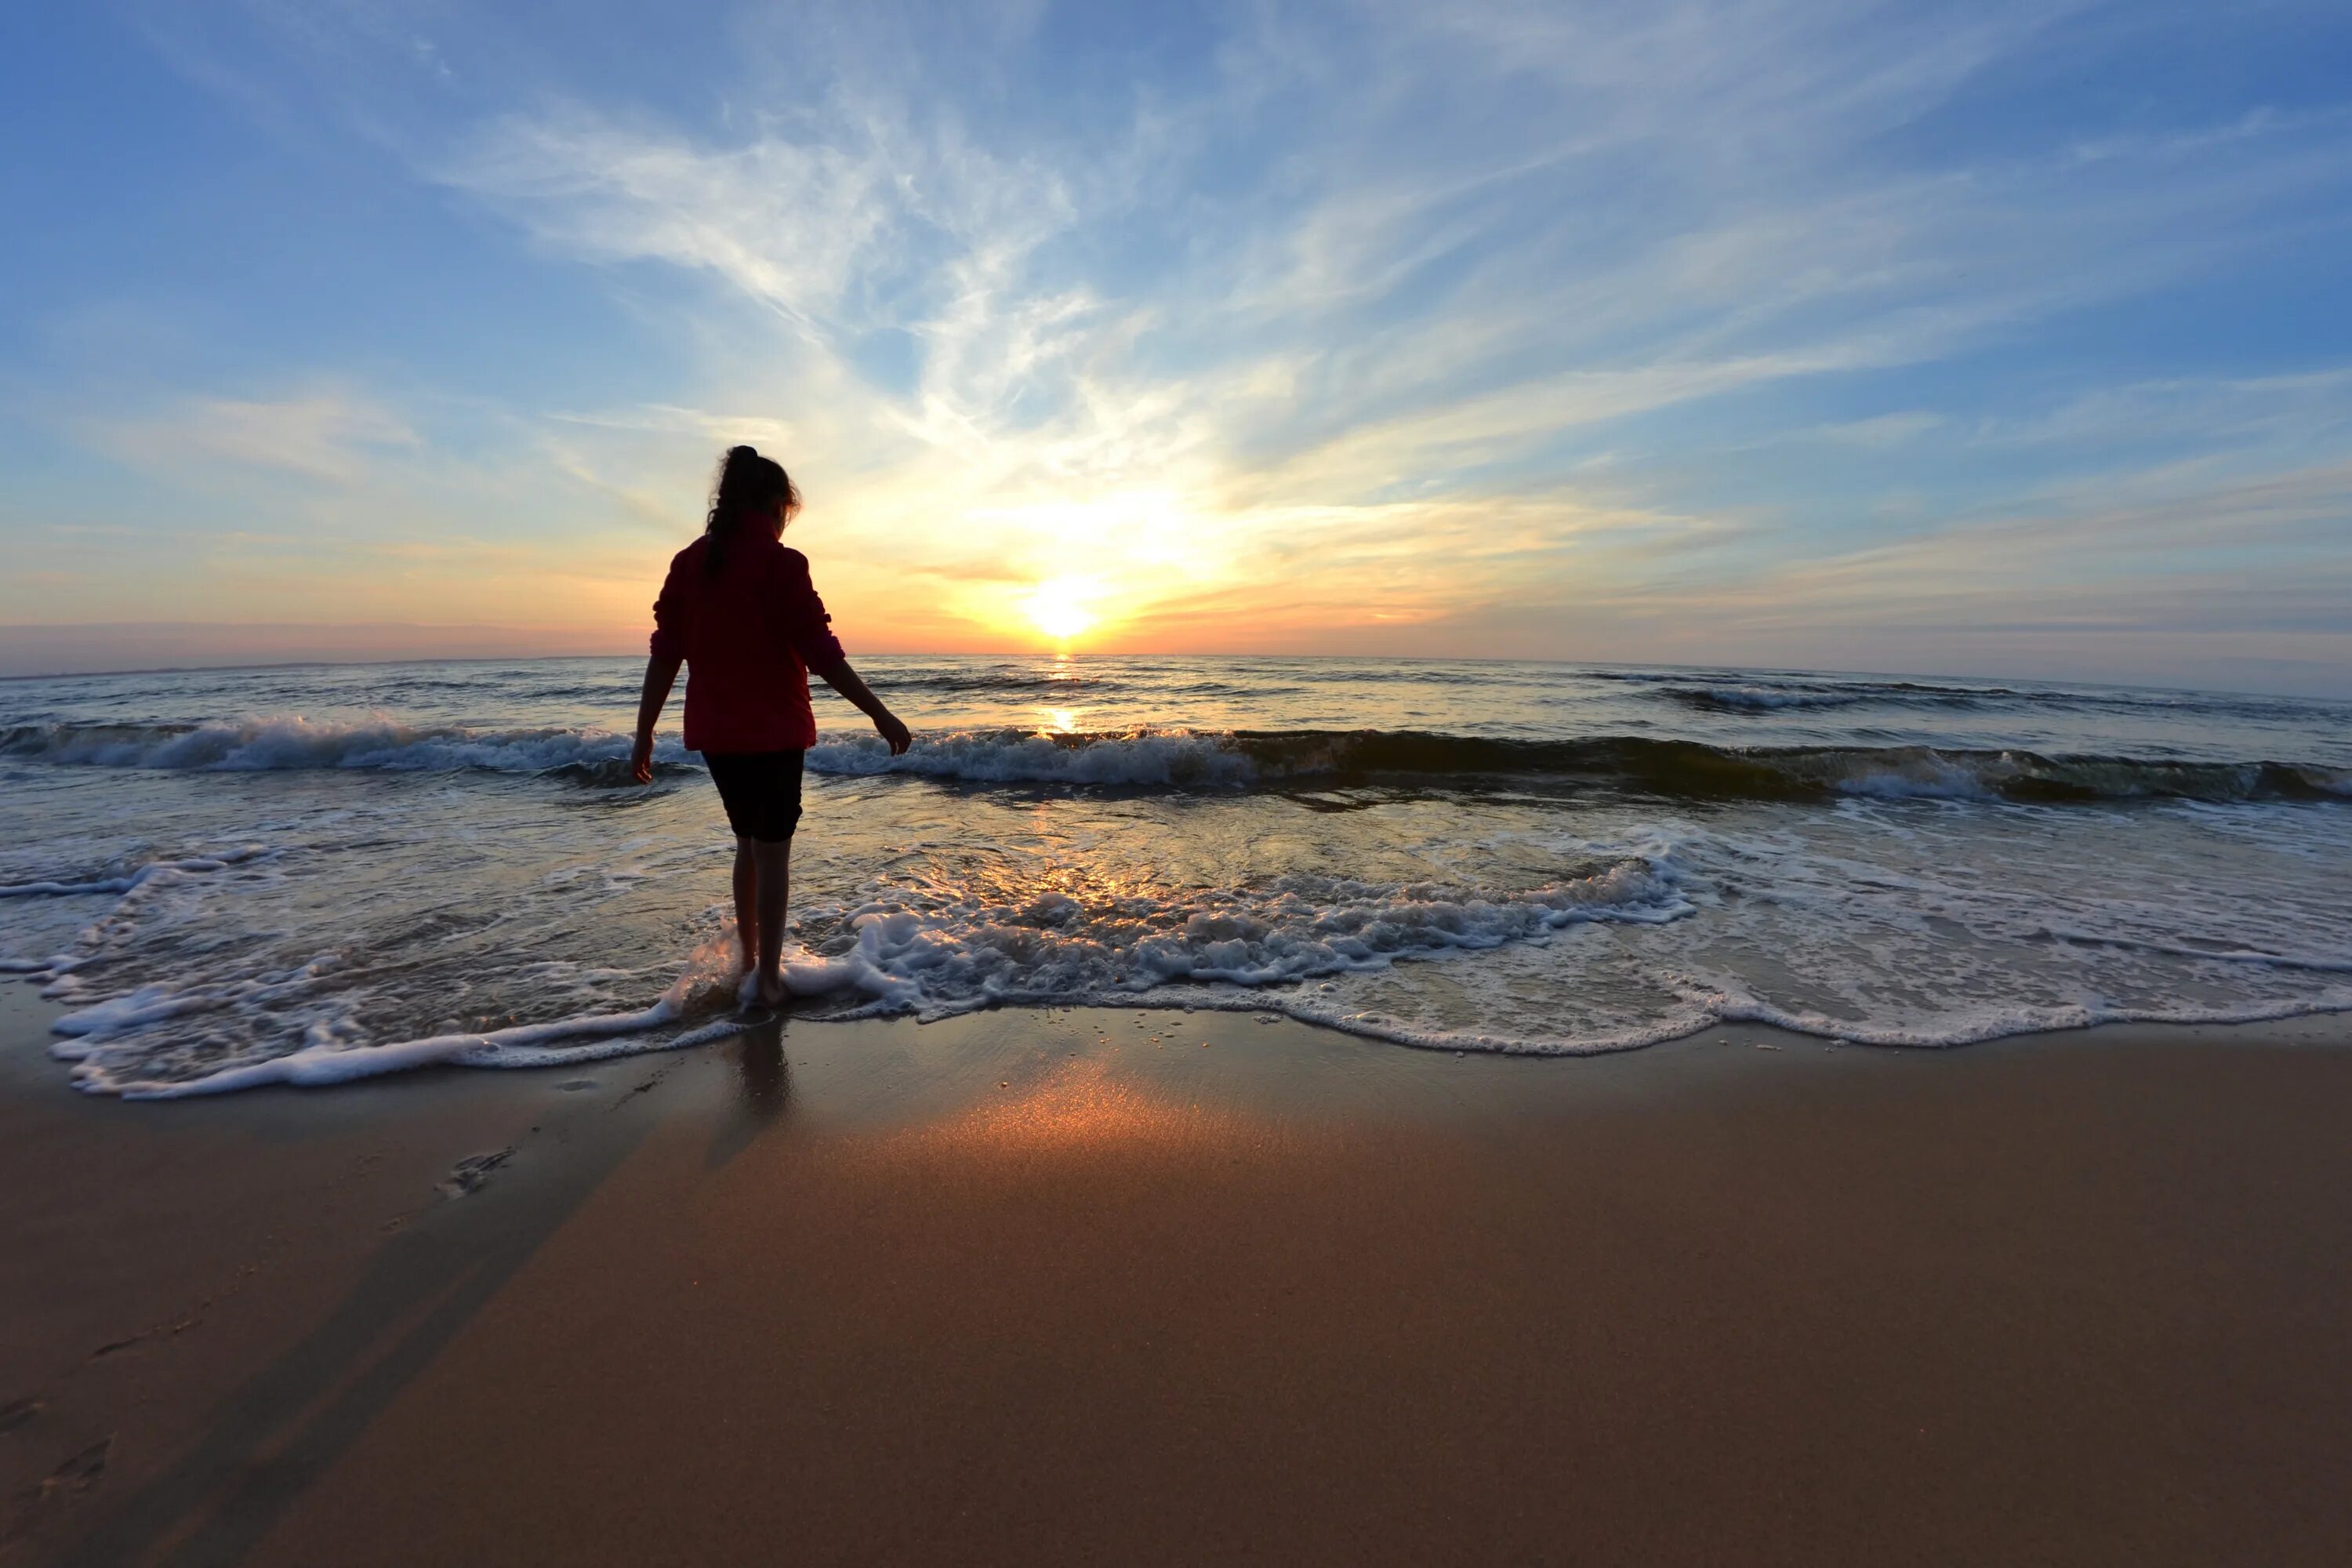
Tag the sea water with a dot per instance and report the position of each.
(316, 874)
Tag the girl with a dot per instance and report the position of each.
(739, 609)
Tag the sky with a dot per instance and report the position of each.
(1994, 338)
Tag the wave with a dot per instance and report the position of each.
(1267, 945)
(1222, 759)
(1013, 681)
(904, 952)
(138, 877)
(1674, 769)
(1764, 692)
(1753, 699)
(1178, 759)
(114, 1046)
(275, 744)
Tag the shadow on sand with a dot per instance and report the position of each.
(290, 1424)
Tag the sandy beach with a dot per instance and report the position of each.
(1111, 1286)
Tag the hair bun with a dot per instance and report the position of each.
(735, 452)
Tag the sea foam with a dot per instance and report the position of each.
(1504, 857)
(930, 959)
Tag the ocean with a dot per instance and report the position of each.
(316, 874)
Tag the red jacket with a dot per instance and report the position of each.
(749, 635)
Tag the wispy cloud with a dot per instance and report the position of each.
(1342, 417)
(1313, 322)
(327, 436)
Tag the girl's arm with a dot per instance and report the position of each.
(661, 674)
(667, 652)
(844, 680)
(820, 650)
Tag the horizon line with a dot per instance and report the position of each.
(1334, 658)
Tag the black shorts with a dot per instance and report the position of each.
(762, 792)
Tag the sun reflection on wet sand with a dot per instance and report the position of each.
(1085, 1105)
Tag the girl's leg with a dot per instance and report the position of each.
(774, 877)
(747, 908)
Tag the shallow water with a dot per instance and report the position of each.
(311, 873)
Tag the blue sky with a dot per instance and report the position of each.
(2000, 339)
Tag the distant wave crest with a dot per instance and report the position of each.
(1754, 697)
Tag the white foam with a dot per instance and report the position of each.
(957, 954)
(330, 1058)
(190, 866)
(1932, 779)
(1875, 921)
(293, 743)
(316, 1066)
(1707, 1006)
(1975, 1026)
(1180, 757)
(931, 962)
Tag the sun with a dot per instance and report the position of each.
(1058, 608)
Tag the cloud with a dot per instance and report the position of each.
(324, 436)
(2164, 550)
(1424, 334)
(2303, 409)
(1884, 429)
(1317, 317)
(783, 222)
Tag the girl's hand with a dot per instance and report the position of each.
(886, 725)
(641, 760)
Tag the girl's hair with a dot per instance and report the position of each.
(747, 482)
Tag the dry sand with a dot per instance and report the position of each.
(1031, 1287)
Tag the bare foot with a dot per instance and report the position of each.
(771, 991)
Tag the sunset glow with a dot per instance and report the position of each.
(1058, 609)
(1141, 654)
(1759, 335)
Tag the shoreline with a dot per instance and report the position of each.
(408, 1056)
(1033, 1285)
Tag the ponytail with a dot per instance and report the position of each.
(748, 483)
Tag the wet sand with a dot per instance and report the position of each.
(1032, 1287)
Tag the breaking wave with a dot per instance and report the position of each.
(1687, 770)
(1222, 759)
(270, 744)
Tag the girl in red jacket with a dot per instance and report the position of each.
(739, 609)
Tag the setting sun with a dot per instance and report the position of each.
(1058, 608)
